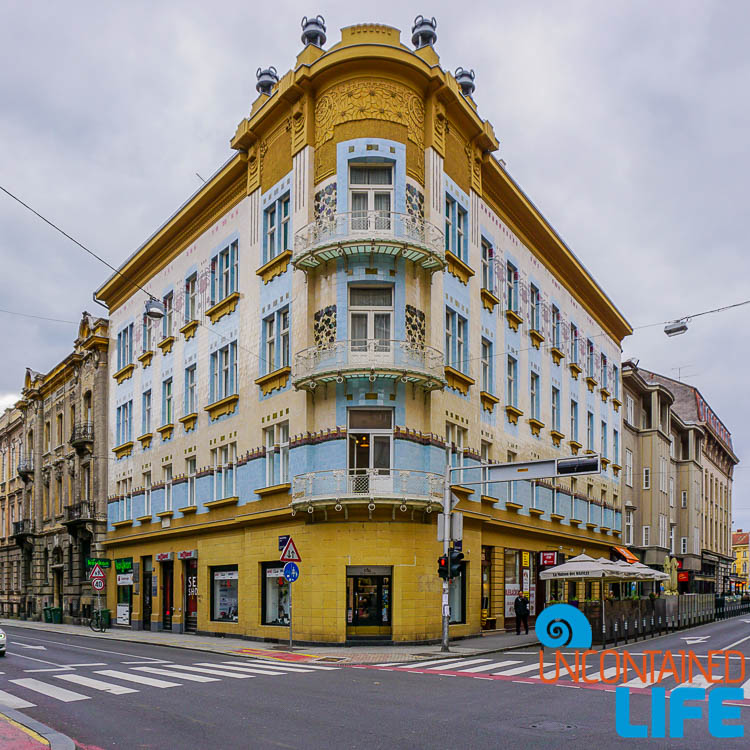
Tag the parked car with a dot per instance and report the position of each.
(3, 641)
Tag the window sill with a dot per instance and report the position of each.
(617, 532)
(604, 393)
(146, 357)
(457, 268)
(165, 514)
(514, 319)
(536, 512)
(591, 383)
(513, 413)
(124, 374)
(458, 380)
(536, 426)
(225, 307)
(273, 380)
(557, 517)
(591, 526)
(122, 524)
(575, 446)
(616, 403)
(575, 370)
(557, 355)
(145, 440)
(488, 499)
(273, 489)
(124, 450)
(489, 300)
(488, 401)
(604, 462)
(187, 509)
(275, 267)
(166, 344)
(557, 437)
(224, 407)
(604, 529)
(166, 431)
(536, 338)
(616, 468)
(189, 329)
(575, 522)
(189, 421)
(222, 503)
(513, 506)
(144, 519)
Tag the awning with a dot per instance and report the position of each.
(625, 553)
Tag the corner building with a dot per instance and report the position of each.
(358, 295)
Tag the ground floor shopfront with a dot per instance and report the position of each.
(361, 578)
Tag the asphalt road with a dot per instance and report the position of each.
(114, 694)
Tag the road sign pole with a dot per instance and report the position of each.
(291, 586)
(447, 502)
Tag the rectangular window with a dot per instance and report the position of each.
(628, 527)
(603, 440)
(448, 223)
(225, 480)
(276, 337)
(284, 337)
(534, 395)
(628, 467)
(455, 228)
(683, 545)
(224, 372)
(275, 607)
(511, 284)
(224, 271)
(167, 413)
(487, 384)
(225, 593)
(573, 343)
(646, 536)
(555, 327)
(166, 323)
(125, 347)
(270, 336)
(59, 429)
(684, 499)
(455, 442)
(124, 432)
(371, 196)
(603, 367)
(663, 474)
(167, 479)
(276, 440)
(534, 308)
(191, 298)
(646, 479)
(671, 539)
(590, 360)
(615, 446)
(147, 334)
(616, 381)
(630, 410)
(190, 470)
(511, 391)
(147, 493)
(455, 340)
(146, 413)
(574, 420)
(671, 492)
(590, 430)
(487, 274)
(191, 405)
(555, 409)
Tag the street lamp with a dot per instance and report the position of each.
(155, 310)
(676, 327)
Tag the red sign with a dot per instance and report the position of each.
(684, 576)
(548, 558)
(164, 556)
(290, 553)
(97, 572)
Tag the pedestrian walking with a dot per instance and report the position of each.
(521, 606)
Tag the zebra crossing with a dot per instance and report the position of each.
(123, 679)
(519, 668)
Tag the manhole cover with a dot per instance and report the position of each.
(334, 659)
(552, 726)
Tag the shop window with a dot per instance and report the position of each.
(457, 596)
(275, 607)
(225, 593)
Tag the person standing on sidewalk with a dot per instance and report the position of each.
(521, 606)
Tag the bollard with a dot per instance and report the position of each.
(625, 632)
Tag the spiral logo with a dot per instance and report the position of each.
(563, 626)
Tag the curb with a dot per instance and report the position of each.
(57, 740)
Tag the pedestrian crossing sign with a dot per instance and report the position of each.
(290, 553)
(96, 572)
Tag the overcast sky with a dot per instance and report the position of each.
(626, 122)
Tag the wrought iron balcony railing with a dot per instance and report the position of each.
(404, 488)
(83, 432)
(83, 511)
(366, 233)
(22, 528)
(25, 468)
(370, 358)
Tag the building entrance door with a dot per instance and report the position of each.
(191, 596)
(167, 594)
(370, 450)
(369, 597)
(147, 592)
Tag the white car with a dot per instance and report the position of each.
(3, 640)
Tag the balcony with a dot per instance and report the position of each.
(25, 469)
(369, 358)
(366, 233)
(82, 437)
(22, 530)
(397, 489)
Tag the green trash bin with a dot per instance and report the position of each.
(106, 615)
(48, 614)
(56, 613)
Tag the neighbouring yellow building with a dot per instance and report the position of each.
(360, 294)
(740, 544)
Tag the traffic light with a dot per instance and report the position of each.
(455, 563)
(443, 567)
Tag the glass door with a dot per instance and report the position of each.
(370, 324)
(191, 596)
(167, 595)
(371, 193)
(369, 600)
(370, 437)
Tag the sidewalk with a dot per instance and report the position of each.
(485, 644)
(19, 732)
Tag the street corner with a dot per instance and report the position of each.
(290, 656)
(20, 732)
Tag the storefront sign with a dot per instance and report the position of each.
(526, 583)
(124, 579)
(101, 562)
(123, 614)
(511, 592)
(274, 572)
(124, 565)
(525, 559)
(683, 576)
(368, 570)
(188, 554)
(547, 558)
(227, 575)
(164, 556)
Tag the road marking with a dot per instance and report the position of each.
(84, 648)
(695, 639)
(463, 663)
(256, 670)
(427, 663)
(148, 661)
(10, 701)
(169, 673)
(736, 643)
(28, 645)
(106, 687)
(139, 678)
(699, 681)
(89, 664)
(521, 670)
(49, 669)
(53, 691)
(286, 668)
(389, 664)
(215, 672)
(488, 667)
(41, 661)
